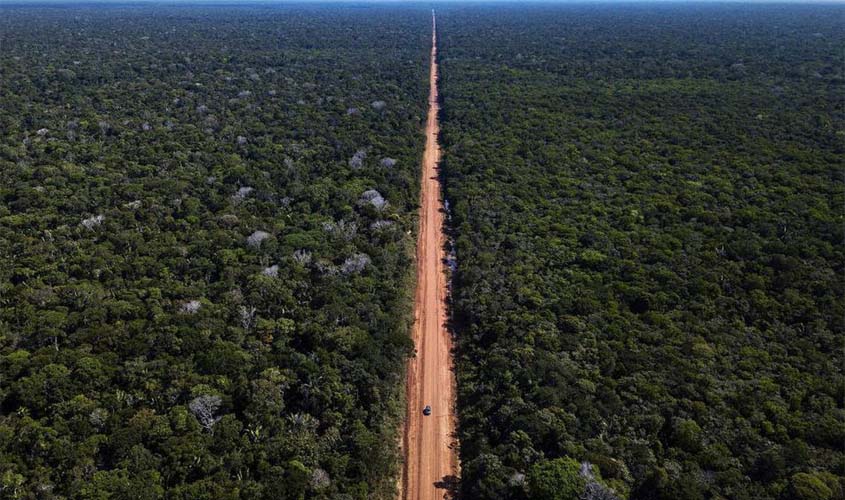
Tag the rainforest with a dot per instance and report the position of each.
(417, 250)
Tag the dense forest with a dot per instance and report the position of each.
(647, 213)
(206, 250)
(207, 219)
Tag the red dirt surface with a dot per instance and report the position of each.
(431, 460)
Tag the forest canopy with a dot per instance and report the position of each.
(205, 248)
(647, 210)
(207, 219)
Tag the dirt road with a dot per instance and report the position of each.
(431, 460)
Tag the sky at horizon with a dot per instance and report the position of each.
(416, 2)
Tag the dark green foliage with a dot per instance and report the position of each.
(556, 479)
(803, 486)
(647, 205)
(195, 300)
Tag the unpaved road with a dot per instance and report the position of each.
(431, 460)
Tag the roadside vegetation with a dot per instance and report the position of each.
(206, 219)
(647, 208)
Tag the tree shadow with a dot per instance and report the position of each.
(450, 485)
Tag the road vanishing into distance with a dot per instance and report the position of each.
(431, 458)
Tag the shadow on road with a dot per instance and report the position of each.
(450, 484)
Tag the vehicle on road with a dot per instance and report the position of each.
(427, 410)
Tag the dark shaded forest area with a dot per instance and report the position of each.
(206, 219)
(647, 206)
